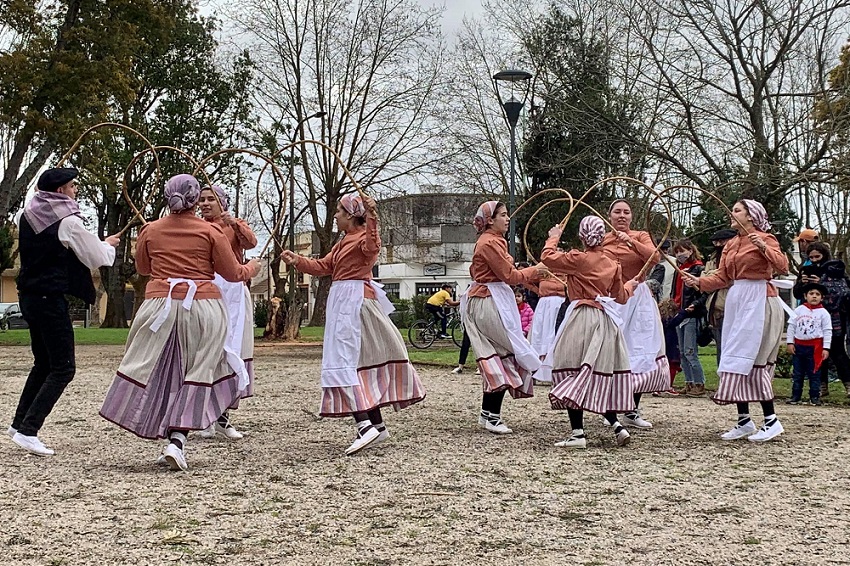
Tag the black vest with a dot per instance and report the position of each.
(48, 267)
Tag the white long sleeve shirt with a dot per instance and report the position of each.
(810, 324)
(88, 248)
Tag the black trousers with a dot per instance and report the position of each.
(54, 363)
(838, 357)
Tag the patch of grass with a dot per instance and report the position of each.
(751, 540)
(161, 524)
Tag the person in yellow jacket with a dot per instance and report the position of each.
(436, 304)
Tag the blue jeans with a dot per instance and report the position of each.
(804, 368)
(691, 366)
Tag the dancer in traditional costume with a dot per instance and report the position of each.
(552, 295)
(491, 320)
(175, 377)
(237, 298)
(57, 255)
(364, 362)
(588, 360)
(753, 320)
(642, 326)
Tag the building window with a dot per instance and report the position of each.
(392, 290)
(429, 288)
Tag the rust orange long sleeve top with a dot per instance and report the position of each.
(632, 259)
(589, 273)
(549, 287)
(741, 259)
(491, 263)
(351, 258)
(185, 246)
(240, 236)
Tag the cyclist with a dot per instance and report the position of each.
(436, 304)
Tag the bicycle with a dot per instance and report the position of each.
(423, 333)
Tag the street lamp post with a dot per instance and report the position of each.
(517, 82)
(295, 132)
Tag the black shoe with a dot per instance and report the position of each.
(817, 402)
(792, 402)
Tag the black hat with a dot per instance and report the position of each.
(52, 179)
(665, 245)
(724, 234)
(814, 287)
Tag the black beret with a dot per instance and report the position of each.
(724, 234)
(52, 179)
(814, 287)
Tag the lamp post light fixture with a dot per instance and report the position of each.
(295, 132)
(516, 83)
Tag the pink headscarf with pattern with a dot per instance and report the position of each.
(484, 214)
(591, 230)
(758, 214)
(353, 205)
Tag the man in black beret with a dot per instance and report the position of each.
(57, 255)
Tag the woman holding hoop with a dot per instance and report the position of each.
(753, 320)
(364, 360)
(642, 328)
(505, 358)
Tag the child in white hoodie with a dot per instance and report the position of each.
(809, 339)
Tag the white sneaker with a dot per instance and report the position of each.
(382, 436)
(623, 437)
(457, 370)
(228, 431)
(175, 458)
(638, 422)
(161, 461)
(739, 431)
(11, 432)
(497, 427)
(32, 444)
(365, 437)
(573, 442)
(208, 432)
(765, 434)
(482, 418)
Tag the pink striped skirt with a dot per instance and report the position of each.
(499, 369)
(386, 377)
(654, 381)
(591, 365)
(758, 384)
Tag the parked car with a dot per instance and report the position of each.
(11, 317)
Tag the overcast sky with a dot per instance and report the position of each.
(455, 11)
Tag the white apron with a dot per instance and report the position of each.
(341, 351)
(611, 308)
(642, 329)
(542, 334)
(166, 308)
(743, 324)
(503, 296)
(233, 295)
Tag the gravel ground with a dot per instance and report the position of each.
(440, 491)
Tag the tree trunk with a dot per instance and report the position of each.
(292, 325)
(95, 308)
(114, 283)
(320, 305)
(140, 284)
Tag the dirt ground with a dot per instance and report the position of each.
(440, 491)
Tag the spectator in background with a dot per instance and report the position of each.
(806, 237)
(437, 303)
(692, 301)
(716, 301)
(671, 317)
(526, 313)
(663, 272)
(809, 339)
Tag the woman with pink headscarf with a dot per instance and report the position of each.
(491, 320)
(588, 360)
(753, 319)
(364, 360)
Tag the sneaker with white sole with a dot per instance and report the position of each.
(457, 370)
(496, 425)
(573, 442)
(637, 421)
(11, 432)
(765, 433)
(32, 444)
(175, 458)
(383, 434)
(365, 436)
(739, 431)
(208, 432)
(623, 437)
(228, 431)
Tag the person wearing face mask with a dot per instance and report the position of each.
(753, 322)
(364, 360)
(642, 328)
(692, 302)
(492, 321)
(716, 301)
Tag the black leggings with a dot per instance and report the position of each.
(577, 418)
(766, 407)
(374, 416)
(492, 402)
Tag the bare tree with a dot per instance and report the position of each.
(375, 67)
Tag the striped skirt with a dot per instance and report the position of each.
(176, 378)
(591, 365)
(386, 376)
(654, 381)
(758, 384)
(496, 363)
